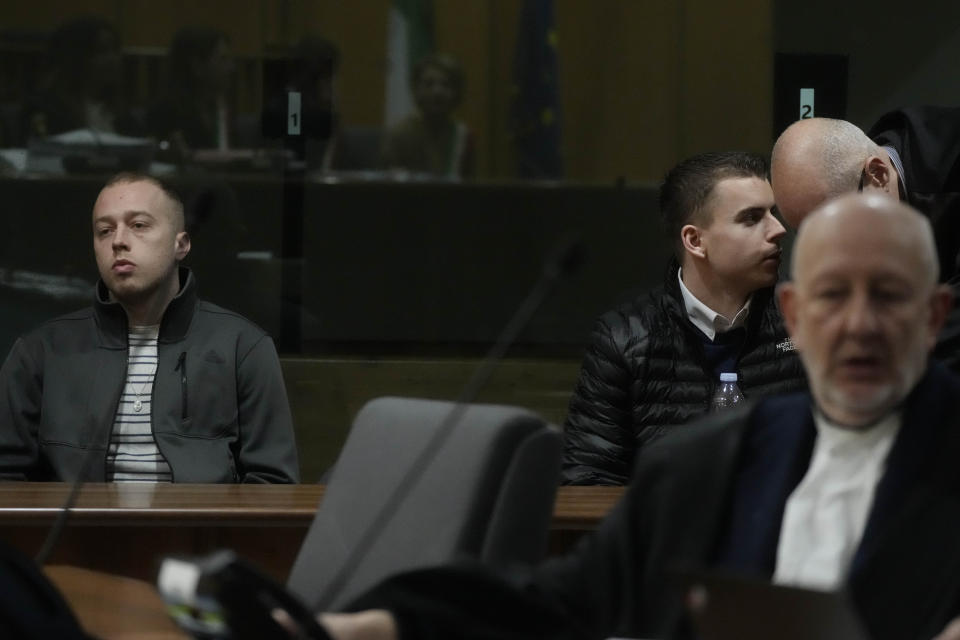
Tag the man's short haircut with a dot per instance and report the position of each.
(687, 187)
(176, 200)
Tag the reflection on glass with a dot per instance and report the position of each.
(431, 140)
(356, 233)
(134, 495)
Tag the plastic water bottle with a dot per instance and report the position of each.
(727, 394)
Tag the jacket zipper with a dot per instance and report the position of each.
(182, 368)
(153, 391)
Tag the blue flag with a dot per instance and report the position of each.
(536, 117)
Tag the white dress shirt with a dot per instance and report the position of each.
(706, 319)
(825, 515)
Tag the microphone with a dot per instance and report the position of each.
(562, 261)
(61, 522)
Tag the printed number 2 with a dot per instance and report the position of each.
(806, 104)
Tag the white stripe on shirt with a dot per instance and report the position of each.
(133, 455)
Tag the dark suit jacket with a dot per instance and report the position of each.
(714, 494)
(928, 141)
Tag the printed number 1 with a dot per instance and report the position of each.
(293, 113)
(806, 104)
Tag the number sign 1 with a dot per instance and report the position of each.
(293, 113)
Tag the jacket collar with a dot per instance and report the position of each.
(913, 524)
(758, 301)
(112, 319)
(929, 417)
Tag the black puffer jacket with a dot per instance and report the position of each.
(645, 371)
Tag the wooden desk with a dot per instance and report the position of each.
(582, 508)
(125, 529)
(114, 607)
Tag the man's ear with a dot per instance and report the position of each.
(692, 239)
(787, 301)
(941, 302)
(876, 174)
(181, 246)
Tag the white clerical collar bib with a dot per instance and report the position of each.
(826, 514)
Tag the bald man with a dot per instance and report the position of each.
(150, 384)
(912, 155)
(853, 486)
(817, 159)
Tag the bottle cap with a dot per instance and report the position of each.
(728, 377)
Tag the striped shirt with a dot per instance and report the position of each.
(133, 455)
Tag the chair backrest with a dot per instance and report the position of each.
(487, 494)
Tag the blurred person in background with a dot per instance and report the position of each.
(309, 70)
(432, 141)
(81, 85)
(195, 112)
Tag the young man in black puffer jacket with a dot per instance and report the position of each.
(654, 363)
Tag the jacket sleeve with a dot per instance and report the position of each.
(267, 446)
(594, 592)
(21, 384)
(587, 594)
(599, 444)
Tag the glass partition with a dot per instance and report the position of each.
(381, 181)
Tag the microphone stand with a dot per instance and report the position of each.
(61, 522)
(564, 260)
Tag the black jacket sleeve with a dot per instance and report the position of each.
(592, 593)
(21, 387)
(599, 444)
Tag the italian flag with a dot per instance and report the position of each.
(409, 38)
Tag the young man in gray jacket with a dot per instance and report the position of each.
(150, 383)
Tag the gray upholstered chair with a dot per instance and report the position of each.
(487, 494)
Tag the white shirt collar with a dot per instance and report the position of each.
(897, 164)
(706, 319)
(846, 442)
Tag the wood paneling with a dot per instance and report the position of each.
(150, 23)
(43, 15)
(727, 76)
(620, 86)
